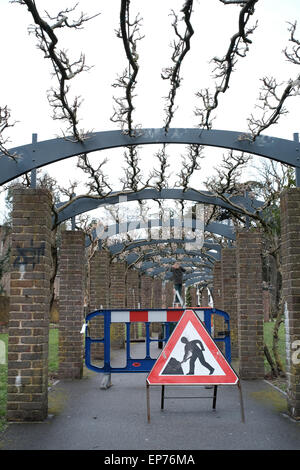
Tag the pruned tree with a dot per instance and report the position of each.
(273, 95)
(272, 179)
(5, 123)
(224, 66)
(65, 69)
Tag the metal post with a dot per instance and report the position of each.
(106, 380)
(297, 170)
(73, 220)
(162, 398)
(148, 401)
(33, 171)
(215, 397)
(241, 401)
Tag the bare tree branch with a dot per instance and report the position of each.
(97, 180)
(180, 50)
(5, 124)
(130, 35)
(271, 98)
(224, 67)
(64, 69)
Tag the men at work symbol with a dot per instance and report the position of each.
(193, 350)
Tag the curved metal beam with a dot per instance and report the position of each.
(192, 260)
(151, 264)
(39, 154)
(201, 279)
(85, 204)
(133, 257)
(119, 248)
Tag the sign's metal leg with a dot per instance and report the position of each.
(148, 401)
(241, 402)
(215, 397)
(162, 400)
(106, 381)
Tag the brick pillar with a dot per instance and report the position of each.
(133, 298)
(169, 294)
(250, 304)
(117, 300)
(98, 297)
(28, 332)
(146, 292)
(157, 293)
(71, 304)
(290, 251)
(156, 301)
(229, 294)
(132, 289)
(204, 297)
(217, 286)
(218, 321)
(193, 294)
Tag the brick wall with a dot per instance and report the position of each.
(290, 250)
(28, 332)
(250, 304)
(71, 304)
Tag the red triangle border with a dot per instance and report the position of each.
(230, 377)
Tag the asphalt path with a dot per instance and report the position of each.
(83, 416)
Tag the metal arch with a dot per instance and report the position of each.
(38, 154)
(85, 204)
(190, 255)
(119, 248)
(151, 264)
(133, 257)
(193, 259)
(201, 279)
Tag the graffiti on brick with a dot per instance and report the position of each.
(29, 255)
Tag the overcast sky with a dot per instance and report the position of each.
(26, 75)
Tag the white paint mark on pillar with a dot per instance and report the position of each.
(22, 270)
(2, 352)
(18, 381)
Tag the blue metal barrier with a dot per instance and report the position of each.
(146, 316)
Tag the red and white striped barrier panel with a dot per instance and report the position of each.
(125, 316)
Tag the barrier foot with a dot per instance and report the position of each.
(106, 381)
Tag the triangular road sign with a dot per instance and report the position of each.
(191, 357)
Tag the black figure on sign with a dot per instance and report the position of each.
(193, 350)
(173, 367)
